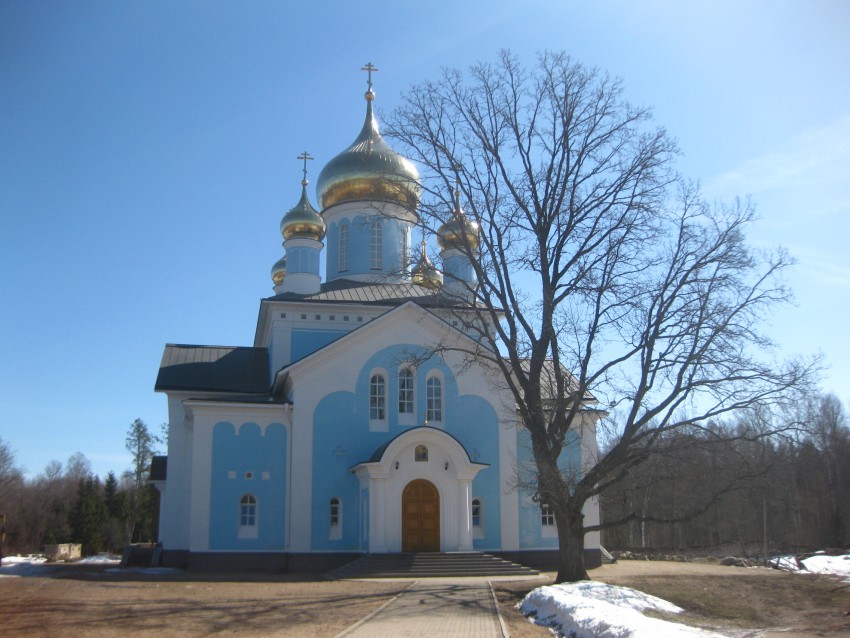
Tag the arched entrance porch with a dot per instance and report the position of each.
(438, 460)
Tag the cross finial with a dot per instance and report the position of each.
(305, 156)
(457, 196)
(369, 68)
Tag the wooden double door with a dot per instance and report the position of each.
(420, 517)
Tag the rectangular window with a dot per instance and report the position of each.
(377, 398)
(405, 248)
(434, 400)
(547, 515)
(476, 512)
(377, 249)
(343, 248)
(405, 392)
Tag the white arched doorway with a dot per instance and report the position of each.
(437, 459)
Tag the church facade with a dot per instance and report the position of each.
(340, 432)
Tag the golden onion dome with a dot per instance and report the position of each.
(369, 170)
(425, 273)
(303, 220)
(279, 271)
(459, 232)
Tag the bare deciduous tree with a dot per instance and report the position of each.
(602, 274)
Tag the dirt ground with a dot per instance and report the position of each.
(751, 603)
(91, 601)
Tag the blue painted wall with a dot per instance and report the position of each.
(306, 342)
(249, 451)
(302, 259)
(530, 520)
(359, 246)
(342, 439)
(454, 266)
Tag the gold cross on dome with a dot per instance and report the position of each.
(305, 156)
(369, 68)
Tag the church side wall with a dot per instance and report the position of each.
(248, 464)
(173, 524)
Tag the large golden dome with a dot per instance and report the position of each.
(369, 170)
(303, 220)
(459, 232)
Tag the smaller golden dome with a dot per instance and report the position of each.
(459, 232)
(303, 220)
(279, 271)
(425, 273)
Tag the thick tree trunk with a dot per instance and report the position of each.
(570, 547)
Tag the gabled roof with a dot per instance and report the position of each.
(419, 316)
(363, 292)
(214, 369)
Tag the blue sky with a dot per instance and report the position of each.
(147, 154)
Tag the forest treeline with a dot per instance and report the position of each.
(726, 485)
(69, 504)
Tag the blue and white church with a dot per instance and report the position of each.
(334, 435)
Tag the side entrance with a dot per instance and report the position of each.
(420, 521)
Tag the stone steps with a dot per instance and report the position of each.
(430, 565)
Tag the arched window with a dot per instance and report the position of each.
(343, 247)
(405, 391)
(335, 519)
(476, 512)
(547, 515)
(434, 400)
(248, 511)
(421, 454)
(377, 246)
(377, 398)
(334, 511)
(405, 247)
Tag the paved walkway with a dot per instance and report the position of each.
(433, 608)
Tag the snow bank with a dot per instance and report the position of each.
(589, 609)
(17, 566)
(820, 563)
(37, 565)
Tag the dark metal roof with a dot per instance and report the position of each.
(362, 292)
(214, 369)
(159, 468)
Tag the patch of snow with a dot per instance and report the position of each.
(820, 563)
(835, 565)
(100, 559)
(17, 566)
(589, 609)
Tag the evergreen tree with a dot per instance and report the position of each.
(89, 516)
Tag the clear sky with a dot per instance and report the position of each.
(148, 151)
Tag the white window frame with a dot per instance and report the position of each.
(249, 516)
(405, 247)
(406, 396)
(434, 412)
(477, 529)
(376, 245)
(343, 247)
(335, 518)
(378, 421)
